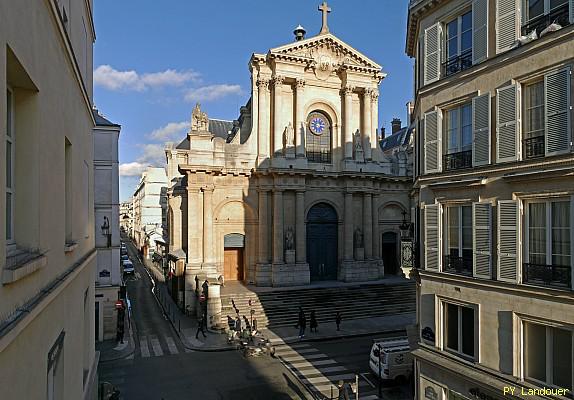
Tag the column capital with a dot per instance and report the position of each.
(368, 92)
(263, 84)
(374, 95)
(277, 190)
(209, 188)
(193, 190)
(300, 83)
(348, 90)
(277, 80)
(300, 191)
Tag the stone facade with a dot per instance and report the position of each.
(300, 171)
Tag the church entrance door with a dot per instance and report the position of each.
(234, 244)
(390, 254)
(322, 242)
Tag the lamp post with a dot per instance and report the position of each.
(406, 243)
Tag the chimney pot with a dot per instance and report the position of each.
(395, 125)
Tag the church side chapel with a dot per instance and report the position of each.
(296, 190)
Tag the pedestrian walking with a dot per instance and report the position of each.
(302, 324)
(196, 284)
(205, 288)
(338, 320)
(200, 324)
(238, 324)
(343, 391)
(313, 322)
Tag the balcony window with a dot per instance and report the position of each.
(458, 44)
(458, 137)
(539, 14)
(458, 257)
(534, 119)
(549, 244)
(547, 355)
(459, 330)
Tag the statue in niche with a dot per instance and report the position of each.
(358, 144)
(358, 238)
(289, 240)
(289, 135)
(199, 120)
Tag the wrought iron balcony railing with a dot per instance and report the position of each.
(560, 15)
(534, 147)
(547, 275)
(457, 265)
(462, 159)
(458, 63)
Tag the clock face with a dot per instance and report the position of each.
(317, 125)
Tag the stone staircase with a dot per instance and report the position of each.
(276, 309)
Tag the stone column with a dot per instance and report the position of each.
(367, 136)
(263, 118)
(208, 248)
(263, 224)
(375, 220)
(347, 93)
(348, 227)
(300, 117)
(277, 226)
(368, 225)
(278, 126)
(194, 226)
(374, 123)
(300, 234)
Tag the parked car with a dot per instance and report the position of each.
(128, 267)
(124, 257)
(124, 251)
(395, 357)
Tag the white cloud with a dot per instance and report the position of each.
(132, 169)
(112, 79)
(152, 155)
(173, 130)
(211, 92)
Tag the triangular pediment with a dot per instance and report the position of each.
(326, 45)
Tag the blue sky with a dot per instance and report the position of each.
(153, 60)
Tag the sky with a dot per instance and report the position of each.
(153, 60)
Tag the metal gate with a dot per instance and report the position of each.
(322, 242)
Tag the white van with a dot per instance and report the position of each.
(395, 356)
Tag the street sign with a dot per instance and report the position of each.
(201, 298)
(119, 305)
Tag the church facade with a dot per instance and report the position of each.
(296, 189)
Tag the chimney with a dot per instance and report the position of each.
(395, 125)
(382, 132)
(299, 33)
(410, 109)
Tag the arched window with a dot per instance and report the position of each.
(318, 138)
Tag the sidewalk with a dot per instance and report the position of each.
(111, 350)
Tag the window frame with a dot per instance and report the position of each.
(459, 32)
(476, 322)
(10, 119)
(328, 131)
(459, 110)
(549, 336)
(547, 10)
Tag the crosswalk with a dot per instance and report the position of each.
(316, 370)
(155, 346)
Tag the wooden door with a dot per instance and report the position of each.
(233, 264)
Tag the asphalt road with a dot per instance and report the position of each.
(162, 369)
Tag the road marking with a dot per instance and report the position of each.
(171, 345)
(370, 397)
(331, 378)
(144, 349)
(156, 346)
(365, 378)
(308, 357)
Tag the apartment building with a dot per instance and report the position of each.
(127, 216)
(494, 182)
(150, 210)
(47, 254)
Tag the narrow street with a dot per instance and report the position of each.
(162, 368)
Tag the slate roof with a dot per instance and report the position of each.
(399, 138)
(220, 128)
(101, 121)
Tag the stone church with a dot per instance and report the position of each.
(296, 189)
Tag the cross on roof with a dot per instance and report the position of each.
(325, 10)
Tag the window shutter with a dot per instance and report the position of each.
(432, 47)
(507, 146)
(507, 20)
(572, 11)
(481, 130)
(557, 111)
(432, 237)
(432, 135)
(479, 31)
(508, 220)
(481, 243)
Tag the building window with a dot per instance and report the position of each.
(55, 378)
(319, 133)
(534, 119)
(459, 330)
(549, 234)
(458, 125)
(10, 162)
(68, 190)
(547, 355)
(539, 14)
(458, 258)
(458, 44)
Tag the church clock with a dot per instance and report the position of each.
(317, 125)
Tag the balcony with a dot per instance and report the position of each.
(462, 159)
(534, 147)
(457, 265)
(547, 275)
(458, 63)
(560, 15)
